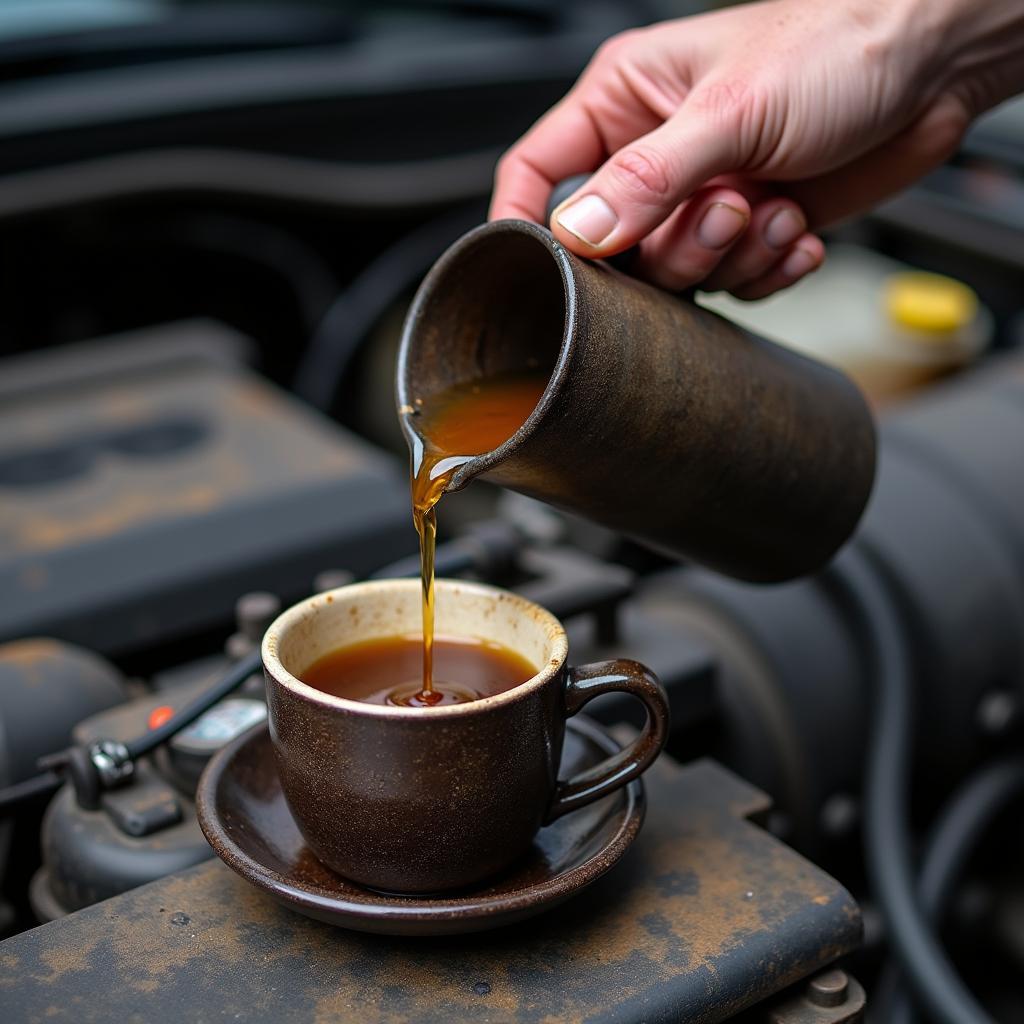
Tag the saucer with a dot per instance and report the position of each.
(243, 812)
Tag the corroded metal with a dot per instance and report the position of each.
(706, 915)
(660, 419)
(136, 504)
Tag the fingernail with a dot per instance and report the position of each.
(798, 263)
(784, 228)
(720, 225)
(590, 219)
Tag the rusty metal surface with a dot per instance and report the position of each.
(219, 429)
(138, 505)
(742, 455)
(705, 916)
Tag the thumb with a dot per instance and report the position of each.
(643, 183)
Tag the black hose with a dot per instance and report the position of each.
(305, 275)
(39, 785)
(963, 821)
(350, 318)
(966, 815)
(936, 984)
(268, 177)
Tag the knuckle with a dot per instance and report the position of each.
(501, 168)
(943, 129)
(644, 172)
(729, 101)
(677, 266)
(737, 270)
(688, 269)
(508, 165)
(612, 50)
(747, 293)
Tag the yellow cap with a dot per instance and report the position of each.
(929, 303)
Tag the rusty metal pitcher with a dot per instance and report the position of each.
(660, 419)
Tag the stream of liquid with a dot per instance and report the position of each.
(450, 428)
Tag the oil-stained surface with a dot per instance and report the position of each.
(137, 504)
(132, 453)
(706, 914)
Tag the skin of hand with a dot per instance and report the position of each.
(720, 142)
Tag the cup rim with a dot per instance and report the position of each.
(289, 618)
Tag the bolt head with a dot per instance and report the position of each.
(828, 988)
(254, 612)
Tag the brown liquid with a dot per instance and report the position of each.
(389, 671)
(452, 427)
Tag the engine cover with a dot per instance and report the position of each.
(147, 481)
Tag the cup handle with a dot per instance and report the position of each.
(582, 684)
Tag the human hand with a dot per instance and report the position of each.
(717, 141)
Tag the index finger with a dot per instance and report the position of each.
(563, 142)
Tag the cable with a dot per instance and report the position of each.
(964, 819)
(486, 544)
(367, 297)
(39, 785)
(935, 981)
(57, 764)
(228, 683)
(411, 184)
(49, 781)
(971, 809)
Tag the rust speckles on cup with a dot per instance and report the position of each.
(427, 799)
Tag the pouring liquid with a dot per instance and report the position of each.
(450, 428)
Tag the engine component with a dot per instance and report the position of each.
(46, 688)
(139, 833)
(707, 916)
(943, 531)
(146, 828)
(146, 483)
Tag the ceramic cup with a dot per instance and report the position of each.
(427, 799)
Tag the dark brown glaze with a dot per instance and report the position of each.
(406, 799)
(245, 816)
(422, 804)
(661, 419)
(582, 685)
(417, 803)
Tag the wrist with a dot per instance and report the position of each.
(972, 47)
(903, 39)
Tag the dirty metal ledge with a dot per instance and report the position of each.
(706, 915)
